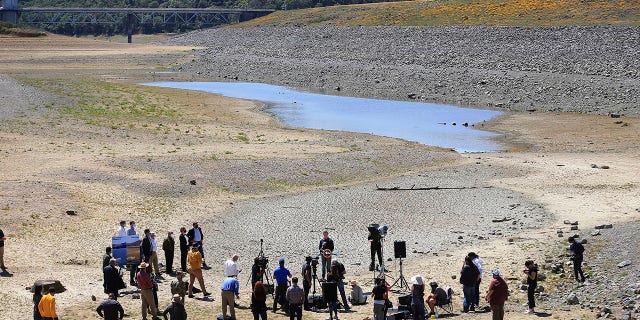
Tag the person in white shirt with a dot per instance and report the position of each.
(154, 253)
(478, 263)
(122, 230)
(231, 267)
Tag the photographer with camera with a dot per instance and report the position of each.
(376, 245)
(257, 271)
(336, 274)
(306, 281)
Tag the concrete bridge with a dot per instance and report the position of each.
(191, 17)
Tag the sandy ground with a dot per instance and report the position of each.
(257, 179)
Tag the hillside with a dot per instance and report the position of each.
(464, 13)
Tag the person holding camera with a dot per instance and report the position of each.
(577, 256)
(306, 281)
(336, 274)
(376, 246)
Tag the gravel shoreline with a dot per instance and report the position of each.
(573, 69)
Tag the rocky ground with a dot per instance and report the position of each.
(574, 69)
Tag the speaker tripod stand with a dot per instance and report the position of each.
(401, 281)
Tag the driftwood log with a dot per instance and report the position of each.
(413, 188)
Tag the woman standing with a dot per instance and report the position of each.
(532, 281)
(194, 266)
(259, 301)
(417, 297)
(379, 299)
(184, 248)
(37, 295)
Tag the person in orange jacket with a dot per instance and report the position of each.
(47, 306)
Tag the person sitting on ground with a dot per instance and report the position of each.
(176, 309)
(357, 297)
(437, 297)
(110, 309)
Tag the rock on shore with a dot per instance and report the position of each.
(576, 69)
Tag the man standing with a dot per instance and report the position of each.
(168, 246)
(468, 279)
(122, 229)
(282, 276)
(47, 306)
(196, 237)
(295, 297)
(106, 257)
(146, 246)
(2, 239)
(154, 253)
(184, 249)
(306, 281)
(376, 246)
(112, 279)
(110, 309)
(478, 263)
(230, 290)
(326, 249)
(337, 275)
(132, 229)
(497, 295)
(231, 267)
(176, 309)
(146, 291)
(577, 254)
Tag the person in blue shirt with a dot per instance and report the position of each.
(577, 254)
(282, 276)
(230, 291)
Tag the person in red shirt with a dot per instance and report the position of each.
(146, 291)
(497, 295)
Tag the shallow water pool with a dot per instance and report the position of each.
(426, 123)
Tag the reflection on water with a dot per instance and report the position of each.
(427, 123)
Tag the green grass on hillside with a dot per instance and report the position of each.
(463, 13)
(10, 29)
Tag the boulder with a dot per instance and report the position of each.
(46, 284)
(623, 264)
(572, 299)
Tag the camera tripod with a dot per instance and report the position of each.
(263, 267)
(314, 279)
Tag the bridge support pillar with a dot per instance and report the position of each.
(9, 11)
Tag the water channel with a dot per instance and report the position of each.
(426, 123)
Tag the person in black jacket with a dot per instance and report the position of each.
(532, 283)
(469, 275)
(195, 237)
(112, 279)
(184, 248)
(577, 256)
(146, 246)
(168, 246)
(175, 310)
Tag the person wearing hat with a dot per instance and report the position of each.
(179, 286)
(168, 245)
(176, 309)
(194, 266)
(417, 297)
(145, 284)
(437, 297)
(497, 295)
(282, 276)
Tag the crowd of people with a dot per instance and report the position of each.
(288, 294)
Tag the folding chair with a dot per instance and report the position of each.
(446, 306)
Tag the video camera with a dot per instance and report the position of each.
(315, 261)
(377, 231)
